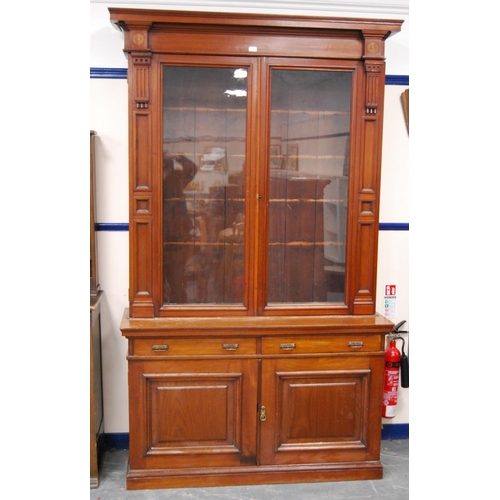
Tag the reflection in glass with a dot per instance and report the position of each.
(204, 122)
(309, 163)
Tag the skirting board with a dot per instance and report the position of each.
(396, 431)
(119, 440)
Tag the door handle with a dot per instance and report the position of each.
(262, 415)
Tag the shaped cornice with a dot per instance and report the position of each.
(361, 7)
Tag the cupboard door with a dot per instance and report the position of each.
(193, 413)
(320, 410)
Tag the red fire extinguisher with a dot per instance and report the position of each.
(394, 362)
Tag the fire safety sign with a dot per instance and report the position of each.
(390, 301)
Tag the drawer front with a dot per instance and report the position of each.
(322, 344)
(193, 346)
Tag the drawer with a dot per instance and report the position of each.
(192, 346)
(322, 344)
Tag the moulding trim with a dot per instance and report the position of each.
(394, 7)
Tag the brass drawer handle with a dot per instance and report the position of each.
(230, 347)
(288, 347)
(356, 344)
(159, 347)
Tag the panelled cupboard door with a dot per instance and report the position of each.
(320, 410)
(199, 413)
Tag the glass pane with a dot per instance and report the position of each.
(309, 167)
(204, 120)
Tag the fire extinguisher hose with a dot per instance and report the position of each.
(405, 375)
(405, 371)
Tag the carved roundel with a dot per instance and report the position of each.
(138, 38)
(372, 47)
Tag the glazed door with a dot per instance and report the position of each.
(309, 137)
(207, 149)
(320, 410)
(249, 229)
(193, 413)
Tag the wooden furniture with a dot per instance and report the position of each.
(96, 396)
(94, 279)
(255, 351)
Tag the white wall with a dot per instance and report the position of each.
(393, 253)
(108, 117)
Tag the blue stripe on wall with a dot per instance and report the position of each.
(397, 80)
(113, 73)
(111, 226)
(121, 74)
(120, 440)
(394, 226)
(123, 226)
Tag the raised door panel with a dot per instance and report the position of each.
(320, 410)
(193, 413)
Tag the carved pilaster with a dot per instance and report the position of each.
(368, 183)
(141, 214)
(373, 54)
(137, 45)
(141, 63)
(374, 86)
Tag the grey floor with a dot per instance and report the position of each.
(394, 485)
